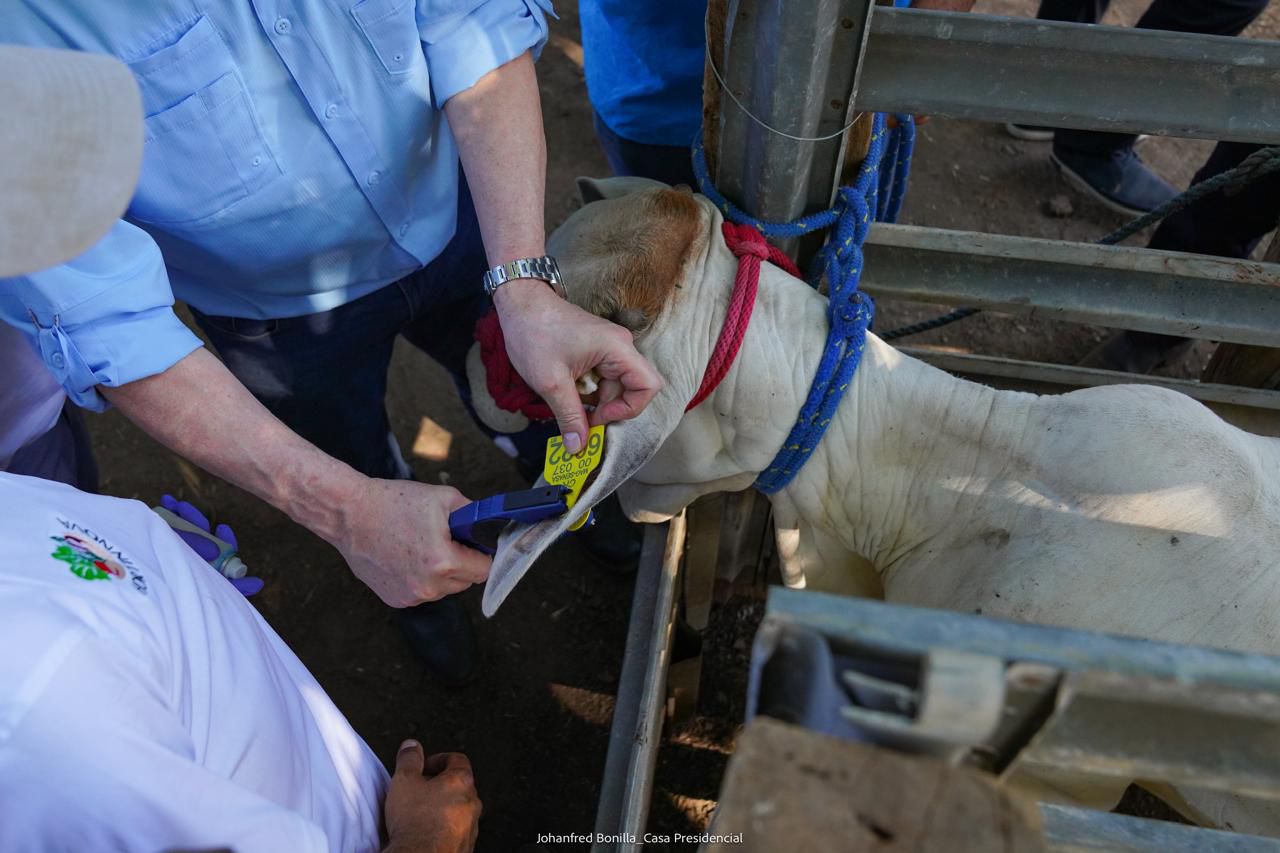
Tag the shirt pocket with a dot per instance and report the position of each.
(203, 149)
(391, 29)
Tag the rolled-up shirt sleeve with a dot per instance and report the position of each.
(466, 39)
(105, 318)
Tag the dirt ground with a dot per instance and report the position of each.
(535, 723)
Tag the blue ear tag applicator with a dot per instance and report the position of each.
(479, 523)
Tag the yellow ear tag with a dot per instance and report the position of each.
(562, 469)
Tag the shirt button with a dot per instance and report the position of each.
(57, 361)
(283, 26)
(404, 229)
(373, 179)
(331, 111)
(257, 161)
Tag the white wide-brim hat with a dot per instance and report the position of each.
(70, 151)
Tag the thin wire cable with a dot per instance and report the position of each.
(706, 31)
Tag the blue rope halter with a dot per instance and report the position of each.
(877, 192)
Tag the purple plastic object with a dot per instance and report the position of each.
(206, 548)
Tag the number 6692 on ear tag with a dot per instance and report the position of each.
(572, 471)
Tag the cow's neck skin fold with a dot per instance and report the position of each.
(902, 429)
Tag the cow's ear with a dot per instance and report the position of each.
(600, 189)
(623, 261)
(628, 446)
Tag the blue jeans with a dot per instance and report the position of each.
(325, 374)
(671, 164)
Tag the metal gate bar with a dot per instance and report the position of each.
(829, 59)
(1071, 75)
(859, 623)
(1104, 709)
(1171, 292)
(1252, 409)
(1072, 830)
(799, 67)
(627, 786)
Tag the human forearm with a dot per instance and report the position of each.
(394, 534)
(199, 410)
(498, 126)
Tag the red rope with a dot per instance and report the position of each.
(751, 248)
(507, 387)
(511, 393)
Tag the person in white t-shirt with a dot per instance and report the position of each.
(144, 704)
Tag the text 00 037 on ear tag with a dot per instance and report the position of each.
(562, 469)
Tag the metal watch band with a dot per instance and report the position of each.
(544, 268)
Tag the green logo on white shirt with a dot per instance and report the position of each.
(92, 558)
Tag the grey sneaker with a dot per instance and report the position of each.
(1118, 180)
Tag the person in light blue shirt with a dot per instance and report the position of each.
(301, 191)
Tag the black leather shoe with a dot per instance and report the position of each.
(612, 541)
(440, 634)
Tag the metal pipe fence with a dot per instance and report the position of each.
(797, 75)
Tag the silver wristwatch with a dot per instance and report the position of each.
(543, 268)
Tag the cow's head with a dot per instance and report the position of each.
(649, 258)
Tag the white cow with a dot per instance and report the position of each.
(1126, 509)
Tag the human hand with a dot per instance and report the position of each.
(205, 548)
(438, 812)
(552, 343)
(394, 534)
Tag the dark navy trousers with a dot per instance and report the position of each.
(325, 374)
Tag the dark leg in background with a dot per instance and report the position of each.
(1226, 224)
(671, 164)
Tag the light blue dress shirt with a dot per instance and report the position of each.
(296, 158)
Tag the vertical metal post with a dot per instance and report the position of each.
(623, 808)
(794, 65)
(1238, 364)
